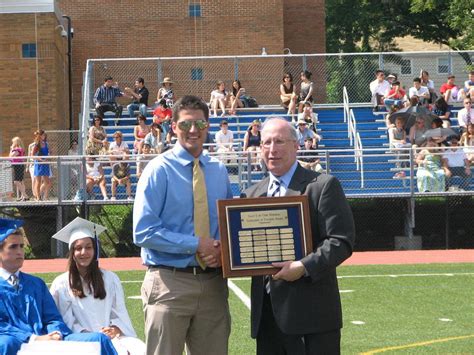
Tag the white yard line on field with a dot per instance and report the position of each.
(239, 293)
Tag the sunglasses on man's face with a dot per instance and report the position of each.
(199, 124)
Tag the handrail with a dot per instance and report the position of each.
(86, 105)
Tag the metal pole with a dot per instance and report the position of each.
(69, 62)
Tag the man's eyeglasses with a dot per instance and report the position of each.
(199, 124)
(277, 142)
(467, 103)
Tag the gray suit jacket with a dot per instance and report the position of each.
(310, 304)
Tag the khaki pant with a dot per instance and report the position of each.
(183, 308)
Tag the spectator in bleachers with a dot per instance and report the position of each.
(97, 137)
(252, 140)
(438, 123)
(224, 140)
(162, 115)
(469, 86)
(391, 111)
(288, 95)
(308, 157)
(143, 159)
(441, 109)
(379, 89)
(467, 141)
(17, 151)
(430, 175)
(466, 114)
(105, 99)
(426, 81)
(306, 89)
(95, 176)
(456, 163)
(309, 116)
(121, 176)
(396, 96)
(304, 133)
(398, 141)
(139, 96)
(450, 91)
(391, 78)
(417, 131)
(166, 92)
(237, 97)
(219, 98)
(139, 132)
(42, 170)
(421, 92)
(31, 166)
(153, 138)
(118, 147)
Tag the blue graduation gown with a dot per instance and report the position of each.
(31, 310)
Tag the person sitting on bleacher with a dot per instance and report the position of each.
(140, 98)
(456, 163)
(121, 176)
(162, 115)
(140, 131)
(104, 99)
(465, 115)
(396, 96)
(308, 157)
(118, 146)
(450, 91)
(441, 109)
(379, 89)
(430, 175)
(154, 139)
(421, 92)
(417, 131)
(224, 140)
(97, 137)
(398, 141)
(309, 116)
(166, 92)
(469, 85)
(95, 176)
(304, 133)
(143, 159)
(467, 141)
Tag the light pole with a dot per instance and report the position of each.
(69, 62)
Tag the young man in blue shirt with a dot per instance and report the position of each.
(184, 294)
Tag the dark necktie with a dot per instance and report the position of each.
(275, 188)
(13, 280)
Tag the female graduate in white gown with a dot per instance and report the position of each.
(91, 299)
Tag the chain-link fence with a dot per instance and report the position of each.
(389, 213)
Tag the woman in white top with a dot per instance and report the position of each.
(91, 299)
(219, 98)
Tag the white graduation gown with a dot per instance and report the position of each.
(91, 314)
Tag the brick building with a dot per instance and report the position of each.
(149, 28)
(33, 70)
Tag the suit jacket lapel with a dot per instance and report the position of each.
(298, 182)
(262, 188)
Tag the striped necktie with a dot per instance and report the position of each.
(201, 208)
(275, 188)
(13, 280)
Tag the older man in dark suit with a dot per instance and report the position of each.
(298, 310)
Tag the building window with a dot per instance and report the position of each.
(196, 74)
(443, 66)
(28, 50)
(405, 66)
(194, 10)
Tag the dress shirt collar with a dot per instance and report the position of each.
(4, 274)
(285, 178)
(184, 158)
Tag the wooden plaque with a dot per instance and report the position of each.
(255, 232)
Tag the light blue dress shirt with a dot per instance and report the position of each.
(284, 180)
(163, 224)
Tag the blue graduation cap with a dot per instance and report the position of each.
(8, 226)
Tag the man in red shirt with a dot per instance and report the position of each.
(162, 115)
(395, 97)
(450, 91)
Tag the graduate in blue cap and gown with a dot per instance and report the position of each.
(27, 309)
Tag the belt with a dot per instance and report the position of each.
(190, 269)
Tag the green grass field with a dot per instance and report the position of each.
(397, 309)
